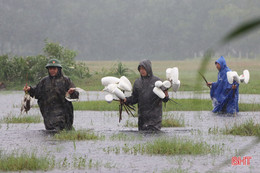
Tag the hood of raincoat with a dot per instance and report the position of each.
(147, 65)
(149, 104)
(223, 64)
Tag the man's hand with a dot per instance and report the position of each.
(166, 93)
(209, 84)
(122, 101)
(26, 88)
(234, 87)
(71, 90)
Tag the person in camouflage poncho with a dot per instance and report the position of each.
(57, 112)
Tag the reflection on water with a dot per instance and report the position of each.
(197, 124)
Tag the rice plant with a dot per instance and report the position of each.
(77, 135)
(177, 146)
(169, 120)
(21, 119)
(125, 137)
(248, 128)
(25, 162)
(171, 146)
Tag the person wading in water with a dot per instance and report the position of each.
(57, 112)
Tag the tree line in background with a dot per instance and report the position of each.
(16, 71)
(126, 30)
(19, 70)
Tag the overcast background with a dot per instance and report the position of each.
(126, 29)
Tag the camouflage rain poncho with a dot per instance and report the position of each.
(57, 112)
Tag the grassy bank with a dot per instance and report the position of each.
(187, 73)
(183, 105)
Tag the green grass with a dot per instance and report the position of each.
(22, 119)
(177, 146)
(77, 135)
(130, 123)
(184, 105)
(169, 120)
(175, 170)
(248, 128)
(125, 137)
(168, 146)
(188, 71)
(25, 162)
(96, 105)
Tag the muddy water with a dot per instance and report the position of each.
(33, 137)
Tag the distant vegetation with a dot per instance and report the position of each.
(16, 71)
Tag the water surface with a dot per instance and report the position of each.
(31, 137)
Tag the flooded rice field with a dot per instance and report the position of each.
(109, 154)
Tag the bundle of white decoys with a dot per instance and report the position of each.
(116, 88)
(233, 76)
(172, 75)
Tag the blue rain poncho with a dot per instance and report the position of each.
(224, 98)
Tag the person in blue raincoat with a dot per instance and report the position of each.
(223, 94)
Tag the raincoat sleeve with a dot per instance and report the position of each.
(75, 94)
(133, 99)
(36, 91)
